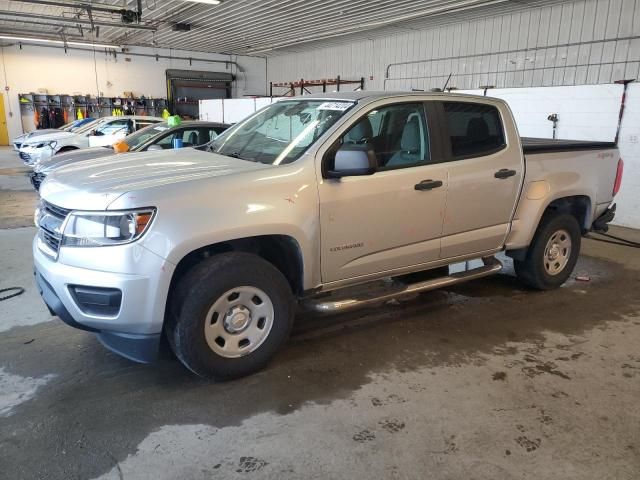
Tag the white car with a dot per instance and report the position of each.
(105, 132)
(73, 126)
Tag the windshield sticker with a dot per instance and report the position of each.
(161, 129)
(340, 106)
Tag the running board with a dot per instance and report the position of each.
(491, 266)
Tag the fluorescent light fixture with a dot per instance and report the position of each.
(210, 2)
(56, 42)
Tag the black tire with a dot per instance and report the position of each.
(206, 284)
(532, 270)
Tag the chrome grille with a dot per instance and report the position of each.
(51, 240)
(56, 211)
(50, 220)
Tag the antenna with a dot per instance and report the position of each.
(447, 82)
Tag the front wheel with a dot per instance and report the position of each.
(231, 314)
(553, 253)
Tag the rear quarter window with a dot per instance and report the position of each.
(474, 129)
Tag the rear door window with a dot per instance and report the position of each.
(474, 129)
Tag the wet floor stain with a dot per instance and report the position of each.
(392, 425)
(250, 464)
(364, 436)
(529, 445)
(501, 376)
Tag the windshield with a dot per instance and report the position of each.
(85, 127)
(281, 132)
(141, 136)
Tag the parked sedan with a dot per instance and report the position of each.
(105, 131)
(69, 127)
(154, 137)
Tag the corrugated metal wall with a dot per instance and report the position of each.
(573, 43)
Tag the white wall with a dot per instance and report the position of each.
(587, 112)
(572, 43)
(33, 67)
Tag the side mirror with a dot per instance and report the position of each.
(354, 160)
(154, 148)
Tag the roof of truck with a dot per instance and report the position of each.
(377, 95)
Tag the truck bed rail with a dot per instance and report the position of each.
(548, 145)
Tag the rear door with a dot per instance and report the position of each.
(486, 170)
(385, 221)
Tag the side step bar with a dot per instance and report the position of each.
(491, 266)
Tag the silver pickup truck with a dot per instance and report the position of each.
(297, 204)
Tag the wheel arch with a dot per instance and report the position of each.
(282, 251)
(579, 206)
(68, 148)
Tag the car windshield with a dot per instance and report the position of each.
(78, 125)
(85, 127)
(144, 134)
(281, 132)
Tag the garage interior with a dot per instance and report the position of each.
(487, 379)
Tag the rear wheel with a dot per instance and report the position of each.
(232, 312)
(552, 254)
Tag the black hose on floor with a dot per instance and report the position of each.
(16, 291)
(619, 240)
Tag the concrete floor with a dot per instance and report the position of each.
(483, 381)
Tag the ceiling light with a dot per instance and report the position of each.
(210, 2)
(56, 42)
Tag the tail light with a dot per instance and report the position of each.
(618, 182)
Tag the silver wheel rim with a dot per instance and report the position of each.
(239, 322)
(557, 252)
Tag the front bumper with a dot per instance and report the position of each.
(134, 331)
(36, 179)
(32, 155)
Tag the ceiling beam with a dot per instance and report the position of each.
(87, 6)
(74, 21)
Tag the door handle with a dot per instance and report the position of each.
(504, 173)
(428, 184)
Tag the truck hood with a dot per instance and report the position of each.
(94, 184)
(68, 158)
(47, 137)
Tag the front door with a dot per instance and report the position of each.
(485, 176)
(392, 218)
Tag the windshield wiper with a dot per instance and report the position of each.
(237, 155)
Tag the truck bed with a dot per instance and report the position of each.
(548, 145)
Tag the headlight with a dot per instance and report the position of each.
(95, 229)
(51, 144)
